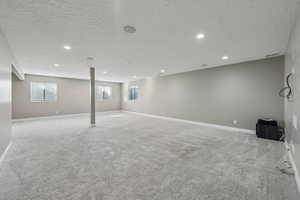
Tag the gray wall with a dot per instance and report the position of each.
(6, 59)
(73, 97)
(292, 107)
(243, 92)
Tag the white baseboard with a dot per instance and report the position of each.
(4, 153)
(59, 116)
(291, 158)
(228, 128)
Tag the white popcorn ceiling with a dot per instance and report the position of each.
(165, 38)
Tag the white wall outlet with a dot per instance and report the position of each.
(235, 122)
(57, 112)
(295, 121)
(292, 147)
(293, 71)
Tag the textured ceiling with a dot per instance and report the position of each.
(165, 38)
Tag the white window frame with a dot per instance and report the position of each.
(102, 96)
(44, 100)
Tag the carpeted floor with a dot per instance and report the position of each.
(131, 157)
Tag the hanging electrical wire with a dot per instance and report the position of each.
(286, 92)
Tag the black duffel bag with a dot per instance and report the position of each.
(268, 129)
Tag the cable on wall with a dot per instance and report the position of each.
(286, 92)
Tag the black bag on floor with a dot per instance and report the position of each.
(268, 129)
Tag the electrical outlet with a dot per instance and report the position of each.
(292, 147)
(295, 121)
(235, 122)
(293, 71)
(57, 112)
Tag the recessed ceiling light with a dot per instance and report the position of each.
(162, 71)
(56, 65)
(67, 47)
(104, 72)
(134, 76)
(129, 29)
(225, 57)
(200, 36)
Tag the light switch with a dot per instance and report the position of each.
(295, 121)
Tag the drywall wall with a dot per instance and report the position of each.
(292, 106)
(6, 59)
(73, 97)
(242, 92)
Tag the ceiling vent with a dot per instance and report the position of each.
(129, 29)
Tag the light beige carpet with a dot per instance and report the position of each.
(131, 157)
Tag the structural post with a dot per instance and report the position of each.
(93, 97)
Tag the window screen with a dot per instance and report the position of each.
(43, 92)
(133, 93)
(103, 93)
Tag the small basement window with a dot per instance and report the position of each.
(103, 93)
(133, 93)
(43, 92)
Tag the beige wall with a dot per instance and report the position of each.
(6, 59)
(292, 107)
(73, 97)
(242, 92)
